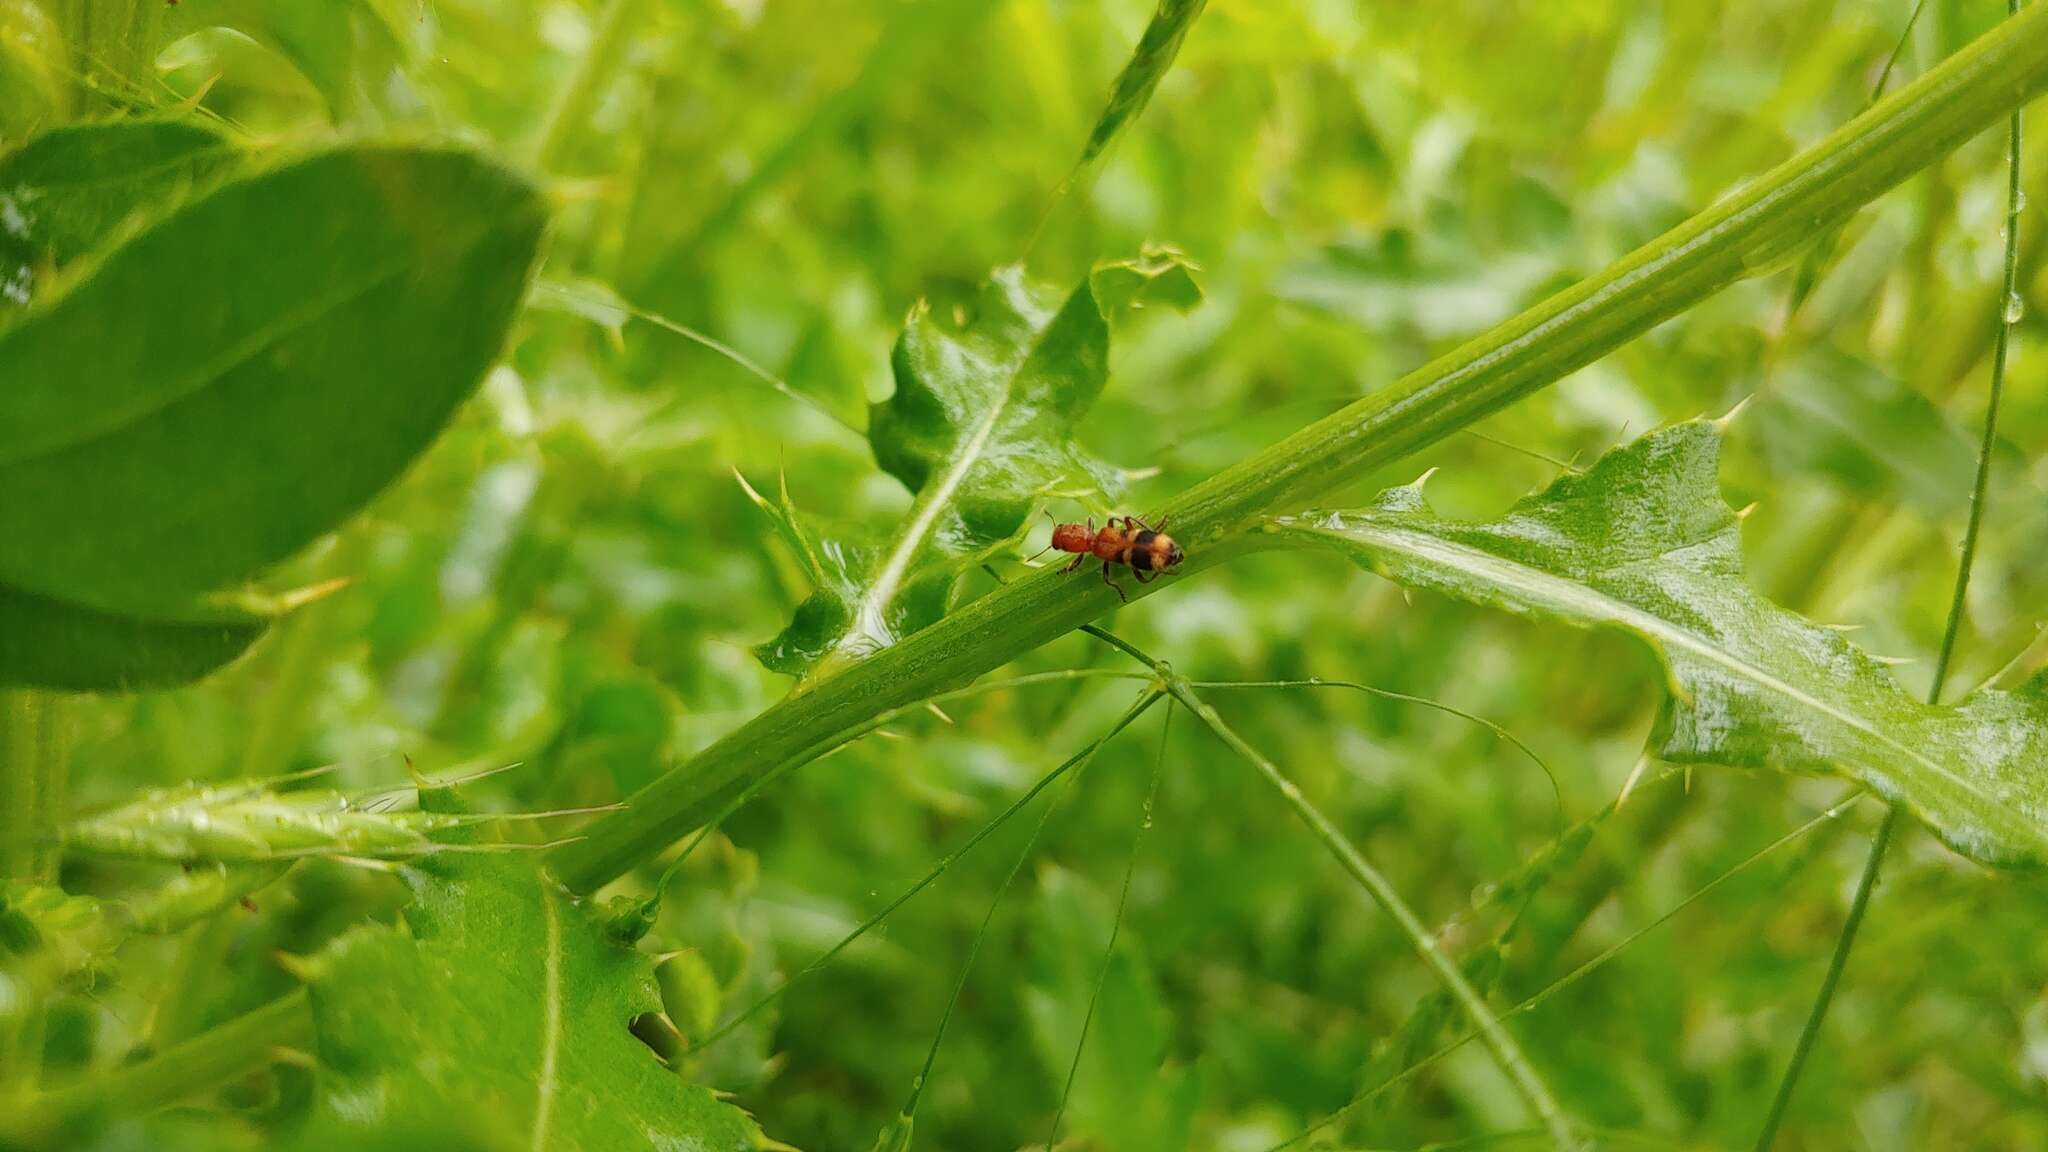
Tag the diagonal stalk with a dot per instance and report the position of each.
(1496, 1037)
(1739, 236)
(1880, 843)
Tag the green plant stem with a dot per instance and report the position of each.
(113, 48)
(570, 111)
(1496, 1037)
(1873, 863)
(1741, 235)
(1537, 999)
(205, 1062)
(34, 757)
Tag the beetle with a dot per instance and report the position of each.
(1126, 540)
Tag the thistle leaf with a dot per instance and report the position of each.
(500, 1000)
(981, 427)
(1643, 542)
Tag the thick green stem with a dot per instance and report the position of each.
(34, 755)
(1742, 234)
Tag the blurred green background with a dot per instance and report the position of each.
(571, 580)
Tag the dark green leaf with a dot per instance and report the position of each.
(1643, 542)
(501, 999)
(981, 426)
(68, 191)
(239, 377)
(49, 643)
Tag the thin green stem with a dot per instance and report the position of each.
(34, 758)
(113, 47)
(1823, 999)
(179, 1073)
(1873, 863)
(1505, 1050)
(1738, 236)
(1024, 855)
(1577, 974)
(572, 105)
(1123, 900)
(984, 832)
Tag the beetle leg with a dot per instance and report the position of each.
(1113, 584)
(1140, 576)
(1077, 562)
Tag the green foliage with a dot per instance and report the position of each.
(32, 88)
(554, 571)
(217, 368)
(982, 428)
(1643, 542)
(71, 188)
(500, 1007)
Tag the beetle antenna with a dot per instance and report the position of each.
(1048, 545)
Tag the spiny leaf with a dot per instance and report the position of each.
(500, 1000)
(68, 191)
(1148, 64)
(1643, 542)
(981, 427)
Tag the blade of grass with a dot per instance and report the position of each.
(1737, 236)
(1880, 843)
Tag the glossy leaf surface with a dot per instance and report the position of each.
(982, 428)
(1644, 543)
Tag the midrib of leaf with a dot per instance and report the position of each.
(551, 1015)
(1582, 601)
(870, 631)
(238, 354)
